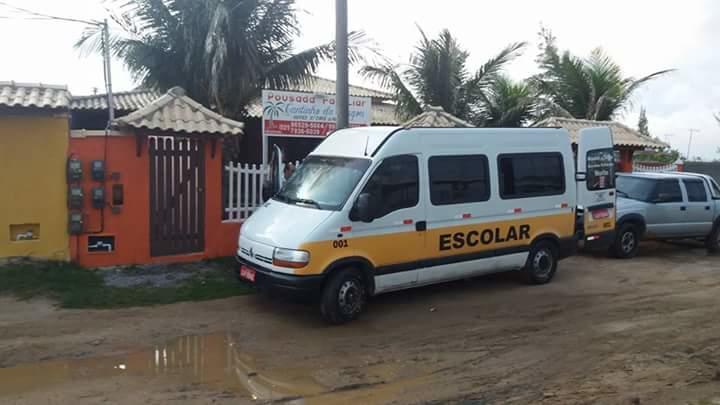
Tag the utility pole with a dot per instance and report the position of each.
(692, 131)
(342, 98)
(108, 77)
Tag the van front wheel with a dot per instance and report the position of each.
(343, 297)
(542, 263)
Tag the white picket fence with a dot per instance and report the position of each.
(244, 185)
(639, 167)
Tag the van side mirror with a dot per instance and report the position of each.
(363, 209)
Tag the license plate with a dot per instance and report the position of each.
(601, 213)
(247, 273)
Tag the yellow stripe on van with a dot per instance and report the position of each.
(404, 247)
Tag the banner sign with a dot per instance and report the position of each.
(295, 114)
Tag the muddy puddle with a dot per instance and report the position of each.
(212, 360)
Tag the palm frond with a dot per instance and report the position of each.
(387, 76)
(489, 71)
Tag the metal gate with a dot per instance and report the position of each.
(177, 196)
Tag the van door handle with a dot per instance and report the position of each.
(707, 208)
(421, 226)
(683, 208)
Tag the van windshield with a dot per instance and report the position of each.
(635, 188)
(323, 182)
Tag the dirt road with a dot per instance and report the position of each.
(605, 331)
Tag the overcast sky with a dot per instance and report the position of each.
(641, 35)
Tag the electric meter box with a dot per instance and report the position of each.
(97, 170)
(98, 197)
(75, 223)
(74, 170)
(75, 197)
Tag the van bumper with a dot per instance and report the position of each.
(599, 241)
(268, 280)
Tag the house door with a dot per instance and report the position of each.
(177, 196)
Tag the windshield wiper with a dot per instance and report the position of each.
(305, 201)
(622, 193)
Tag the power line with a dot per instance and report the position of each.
(47, 16)
(105, 48)
(8, 17)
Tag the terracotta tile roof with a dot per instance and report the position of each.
(176, 112)
(327, 86)
(436, 117)
(622, 134)
(123, 101)
(137, 99)
(382, 113)
(37, 95)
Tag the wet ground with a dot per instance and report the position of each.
(644, 331)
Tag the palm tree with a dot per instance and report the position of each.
(437, 75)
(223, 52)
(507, 104)
(593, 88)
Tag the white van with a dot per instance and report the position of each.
(379, 209)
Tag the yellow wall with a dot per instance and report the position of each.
(33, 153)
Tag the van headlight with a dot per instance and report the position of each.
(290, 258)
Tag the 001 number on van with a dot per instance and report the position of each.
(341, 243)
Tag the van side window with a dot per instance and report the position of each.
(531, 175)
(695, 190)
(668, 191)
(458, 179)
(394, 184)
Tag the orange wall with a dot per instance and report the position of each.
(131, 225)
(626, 160)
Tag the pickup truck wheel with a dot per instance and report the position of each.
(343, 297)
(713, 240)
(627, 242)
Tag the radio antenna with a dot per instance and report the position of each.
(367, 141)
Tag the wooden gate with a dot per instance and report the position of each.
(177, 196)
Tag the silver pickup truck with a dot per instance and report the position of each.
(666, 206)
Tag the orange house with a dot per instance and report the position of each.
(152, 186)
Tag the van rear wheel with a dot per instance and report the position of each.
(542, 263)
(343, 297)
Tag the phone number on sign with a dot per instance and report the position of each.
(298, 128)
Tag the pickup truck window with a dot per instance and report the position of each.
(667, 191)
(695, 190)
(600, 169)
(635, 188)
(715, 189)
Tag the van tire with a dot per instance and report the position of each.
(627, 242)
(712, 243)
(541, 263)
(343, 297)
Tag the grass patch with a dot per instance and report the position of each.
(75, 287)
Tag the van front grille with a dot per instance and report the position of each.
(263, 259)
